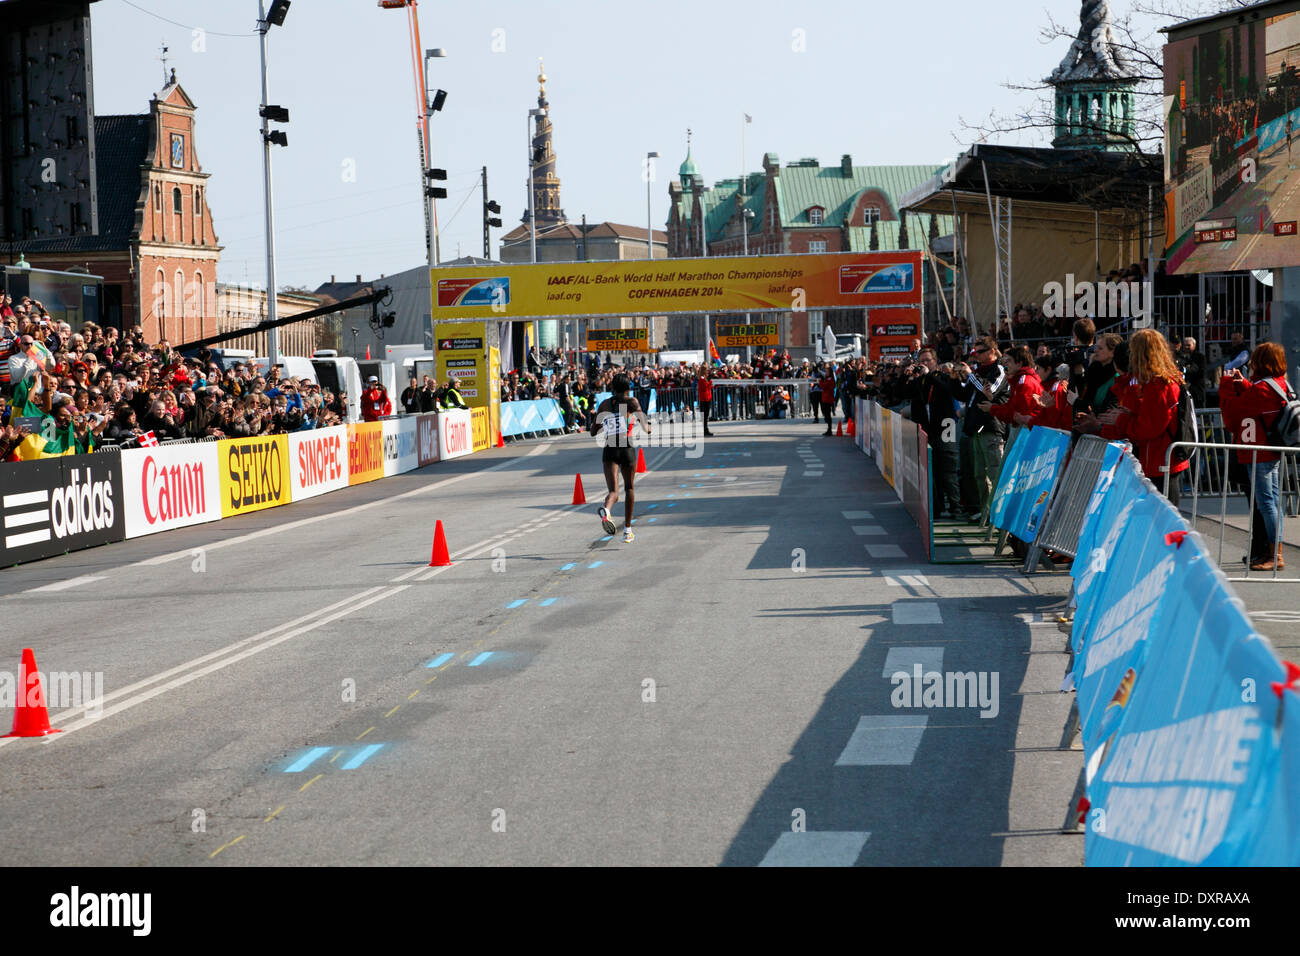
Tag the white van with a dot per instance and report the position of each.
(339, 374)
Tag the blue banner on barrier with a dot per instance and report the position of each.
(1028, 474)
(1002, 496)
(1110, 463)
(1127, 609)
(1189, 758)
(1125, 491)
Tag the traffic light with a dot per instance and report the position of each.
(440, 97)
(490, 208)
(430, 175)
(275, 114)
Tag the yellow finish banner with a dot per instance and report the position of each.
(663, 286)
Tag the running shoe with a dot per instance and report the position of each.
(628, 536)
(609, 526)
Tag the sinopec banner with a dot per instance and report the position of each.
(318, 461)
(254, 473)
(55, 505)
(365, 452)
(170, 486)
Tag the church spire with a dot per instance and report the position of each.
(1095, 86)
(546, 184)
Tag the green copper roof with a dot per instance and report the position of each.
(688, 166)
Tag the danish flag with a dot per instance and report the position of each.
(148, 440)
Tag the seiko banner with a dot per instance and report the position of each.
(455, 437)
(426, 439)
(170, 486)
(318, 461)
(399, 446)
(60, 504)
(254, 473)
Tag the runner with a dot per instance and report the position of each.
(614, 420)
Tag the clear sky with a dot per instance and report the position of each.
(885, 82)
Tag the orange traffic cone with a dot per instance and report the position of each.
(501, 441)
(852, 430)
(579, 496)
(839, 430)
(31, 719)
(440, 557)
(640, 461)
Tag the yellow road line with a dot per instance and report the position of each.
(364, 732)
(432, 679)
(274, 815)
(310, 782)
(391, 712)
(411, 694)
(227, 846)
(336, 756)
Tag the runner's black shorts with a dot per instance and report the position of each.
(620, 455)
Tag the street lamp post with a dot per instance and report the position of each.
(650, 157)
(431, 105)
(279, 8)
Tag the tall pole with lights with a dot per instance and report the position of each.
(533, 116)
(279, 10)
(650, 158)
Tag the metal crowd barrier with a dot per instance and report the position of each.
(737, 399)
(1286, 499)
(1069, 502)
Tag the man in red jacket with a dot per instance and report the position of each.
(375, 403)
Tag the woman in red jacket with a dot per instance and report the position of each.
(1148, 410)
(1249, 409)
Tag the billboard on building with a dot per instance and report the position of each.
(1231, 111)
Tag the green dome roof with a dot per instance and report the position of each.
(688, 166)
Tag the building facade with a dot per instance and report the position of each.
(154, 242)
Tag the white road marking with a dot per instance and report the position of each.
(884, 740)
(868, 529)
(907, 578)
(818, 848)
(903, 658)
(916, 612)
(885, 551)
(64, 585)
(856, 515)
(812, 474)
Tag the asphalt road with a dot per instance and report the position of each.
(297, 687)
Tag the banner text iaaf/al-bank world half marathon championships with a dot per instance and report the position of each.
(682, 275)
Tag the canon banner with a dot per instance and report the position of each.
(400, 453)
(254, 473)
(455, 437)
(170, 486)
(318, 461)
(57, 505)
(426, 439)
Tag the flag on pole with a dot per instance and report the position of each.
(713, 353)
